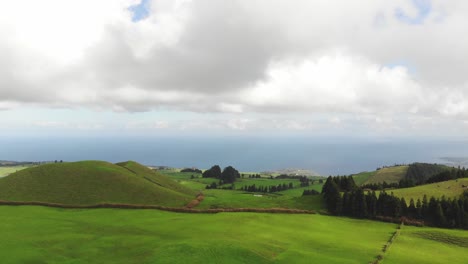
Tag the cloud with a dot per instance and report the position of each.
(309, 57)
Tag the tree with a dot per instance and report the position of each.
(333, 198)
(229, 175)
(412, 212)
(439, 217)
(213, 172)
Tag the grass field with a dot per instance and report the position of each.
(448, 188)
(362, 177)
(389, 175)
(92, 182)
(216, 198)
(238, 199)
(429, 246)
(5, 171)
(47, 235)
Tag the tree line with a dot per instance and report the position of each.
(355, 202)
(228, 175)
(268, 189)
(433, 173)
(310, 192)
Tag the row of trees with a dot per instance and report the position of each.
(409, 181)
(380, 186)
(310, 192)
(193, 170)
(228, 175)
(268, 189)
(450, 213)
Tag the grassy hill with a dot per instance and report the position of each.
(388, 174)
(453, 188)
(93, 182)
(154, 176)
(362, 177)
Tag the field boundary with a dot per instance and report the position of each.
(387, 245)
(158, 207)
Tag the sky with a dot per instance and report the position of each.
(366, 68)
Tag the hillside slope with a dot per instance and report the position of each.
(153, 176)
(388, 174)
(449, 189)
(93, 182)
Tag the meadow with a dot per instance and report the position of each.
(388, 174)
(418, 245)
(93, 182)
(449, 189)
(216, 198)
(34, 234)
(362, 177)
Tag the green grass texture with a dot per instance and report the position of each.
(93, 182)
(34, 234)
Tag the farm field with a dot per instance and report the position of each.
(450, 189)
(216, 198)
(238, 199)
(198, 182)
(33, 234)
(428, 246)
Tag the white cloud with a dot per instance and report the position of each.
(332, 58)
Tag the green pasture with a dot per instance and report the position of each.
(362, 177)
(93, 182)
(48, 235)
(450, 189)
(417, 245)
(389, 175)
(215, 198)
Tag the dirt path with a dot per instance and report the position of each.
(196, 201)
(387, 245)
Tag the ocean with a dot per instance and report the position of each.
(249, 154)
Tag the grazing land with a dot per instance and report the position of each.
(428, 246)
(449, 189)
(217, 198)
(388, 174)
(362, 177)
(33, 234)
(238, 199)
(93, 182)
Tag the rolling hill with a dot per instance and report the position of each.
(388, 174)
(416, 172)
(449, 189)
(93, 182)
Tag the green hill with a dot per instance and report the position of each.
(417, 173)
(449, 189)
(388, 174)
(154, 176)
(93, 182)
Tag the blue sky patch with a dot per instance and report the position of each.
(140, 11)
(424, 8)
(401, 62)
